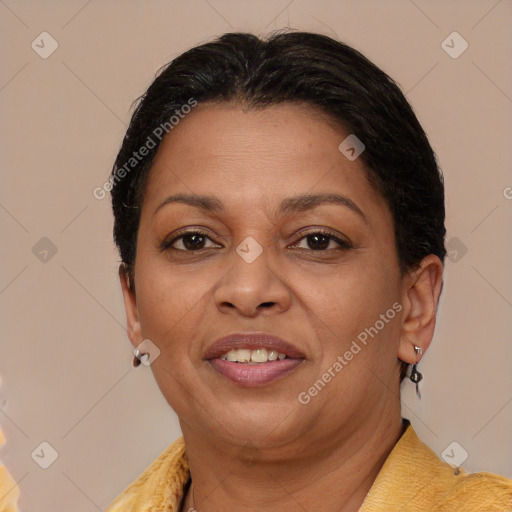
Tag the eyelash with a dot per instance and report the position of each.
(343, 244)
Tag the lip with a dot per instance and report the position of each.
(252, 341)
(252, 375)
(255, 375)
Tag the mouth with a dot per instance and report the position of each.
(253, 359)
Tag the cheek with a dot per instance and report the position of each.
(346, 306)
(170, 305)
(344, 298)
(169, 300)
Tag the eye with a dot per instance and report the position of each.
(188, 241)
(321, 240)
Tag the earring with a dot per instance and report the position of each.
(137, 357)
(415, 376)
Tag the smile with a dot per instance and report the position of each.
(253, 359)
(248, 356)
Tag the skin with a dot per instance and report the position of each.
(276, 453)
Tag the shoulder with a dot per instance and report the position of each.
(159, 487)
(9, 490)
(453, 488)
(415, 478)
(477, 492)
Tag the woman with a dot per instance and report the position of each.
(280, 218)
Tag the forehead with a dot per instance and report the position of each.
(225, 129)
(243, 155)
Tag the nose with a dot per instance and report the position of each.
(253, 288)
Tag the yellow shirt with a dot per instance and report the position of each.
(9, 491)
(413, 479)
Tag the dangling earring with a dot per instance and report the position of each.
(137, 357)
(415, 376)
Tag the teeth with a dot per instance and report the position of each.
(243, 355)
(272, 355)
(248, 356)
(231, 355)
(259, 355)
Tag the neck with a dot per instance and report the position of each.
(337, 477)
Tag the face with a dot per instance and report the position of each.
(321, 275)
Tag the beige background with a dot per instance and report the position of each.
(65, 358)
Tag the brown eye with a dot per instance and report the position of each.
(188, 242)
(193, 241)
(321, 241)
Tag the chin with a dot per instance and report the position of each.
(265, 426)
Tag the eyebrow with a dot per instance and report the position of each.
(288, 206)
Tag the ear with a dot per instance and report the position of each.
(420, 297)
(130, 305)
